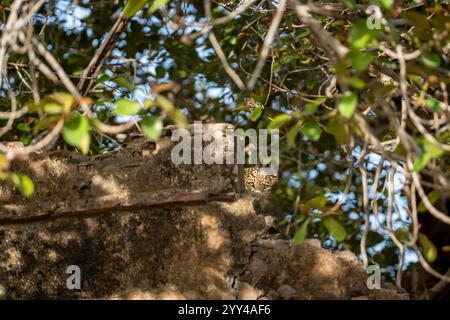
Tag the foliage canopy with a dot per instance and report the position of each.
(359, 90)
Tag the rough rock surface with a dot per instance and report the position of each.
(140, 227)
(280, 270)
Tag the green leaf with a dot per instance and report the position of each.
(361, 36)
(23, 127)
(421, 162)
(127, 107)
(337, 128)
(152, 127)
(373, 238)
(401, 234)
(26, 139)
(63, 98)
(233, 40)
(156, 5)
(160, 72)
(387, 4)
(76, 133)
(359, 60)
(175, 114)
(125, 80)
(178, 117)
(292, 133)
(278, 121)
(337, 231)
(430, 151)
(256, 113)
(433, 104)
(132, 7)
(52, 107)
(3, 163)
(276, 67)
(148, 103)
(312, 131)
(85, 142)
(301, 232)
(165, 103)
(431, 59)
(417, 19)
(348, 103)
(428, 248)
(23, 183)
(355, 82)
(318, 202)
(243, 108)
(103, 78)
(433, 196)
(351, 4)
(311, 107)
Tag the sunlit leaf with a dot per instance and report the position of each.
(152, 127)
(361, 36)
(63, 98)
(179, 118)
(132, 7)
(3, 162)
(433, 104)
(148, 103)
(312, 131)
(76, 132)
(337, 231)
(278, 121)
(23, 127)
(386, 4)
(292, 133)
(165, 103)
(429, 250)
(175, 114)
(430, 151)
(421, 162)
(156, 5)
(52, 107)
(127, 107)
(84, 143)
(23, 183)
(243, 108)
(348, 103)
(256, 113)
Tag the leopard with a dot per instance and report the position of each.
(256, 180)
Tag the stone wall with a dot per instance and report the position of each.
(140, 227)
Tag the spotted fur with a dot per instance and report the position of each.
(255, 179)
